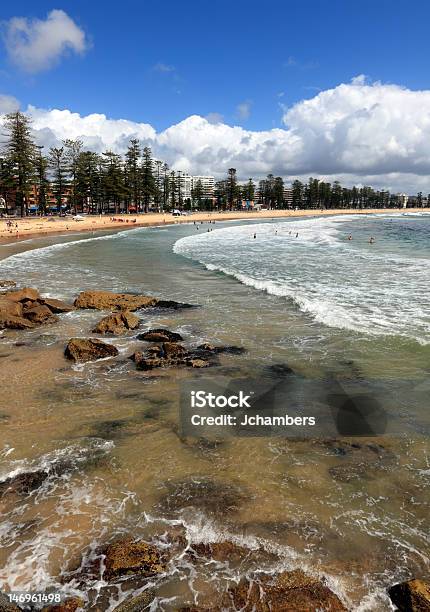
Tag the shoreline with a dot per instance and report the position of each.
(45, 226)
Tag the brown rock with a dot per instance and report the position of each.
(160, 335)
(149, 363)
(6, 606)
(136, 604)
(20, 295)
(56, 306)
(11, 322)
(40, 314)
(411, 596)
(198, 363)
(106, 300)
(287, 592)
(71, 604)
(128, 557)
(219, 551)
(88, 349)
(8, 307)
(117, 323)
(173, 351)
(7, 283)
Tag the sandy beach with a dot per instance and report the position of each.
(32, 226)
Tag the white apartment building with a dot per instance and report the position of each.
(188, 183)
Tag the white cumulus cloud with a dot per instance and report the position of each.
(35, 44)
(358, 132)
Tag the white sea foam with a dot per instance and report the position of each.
(339, 283)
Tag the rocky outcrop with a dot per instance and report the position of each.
(71, 604)
(286, 592)
(11, 322)
(24, 309)
(411, 596)
(56, 306)
(128, 557)
(106, 300)
(218, 551)
(167, 355)
(40, 314)
(88, 349)
(117, 323)
(160, 335)
(21, 295)
(8, 307)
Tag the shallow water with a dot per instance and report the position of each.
(331, 309)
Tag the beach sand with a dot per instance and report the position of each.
(32, 226)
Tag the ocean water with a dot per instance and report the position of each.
(330, 308)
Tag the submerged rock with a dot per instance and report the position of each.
(88, 349)
(348, 472)
(160, 335)
(411, 596)
(210, 348)
(128, 557)
(285, 592)
(106, 300)
(219, 551)
(7, 283)
(136, 604)
(24, 483)
(174, 305)
(117, 323)
(216, 498)
(168, 354)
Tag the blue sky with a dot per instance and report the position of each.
(330, 89)
(219, 55)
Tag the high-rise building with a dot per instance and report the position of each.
(208, 185)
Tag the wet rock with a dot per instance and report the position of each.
(106, 300)
(148, 363)
(348, 472)
(117, 323)
(411, 596)
(87, 349)
(231, 350)
(173, 351)
(286, 592)
(174, 305)
(71, 604)
(24, 483)
(278, 370)
(7, 283)
(21, 295)
(40, 314)
(136, 604)
(160, 335)
(11, 322)
(6, 606)
(128, 557)
(198, 363)
(219, 551)
(216, 498)
(56, 306)
(8, 307)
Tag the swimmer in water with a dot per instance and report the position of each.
(255, 235)
(297, 235)
(350, 237)
(371, 240)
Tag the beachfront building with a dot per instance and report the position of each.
(288, 197)
(207, 183)
(186, 186)
(403, 199)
